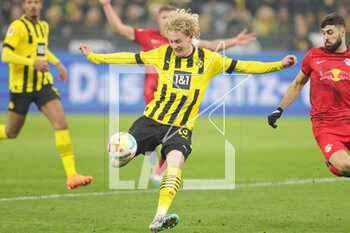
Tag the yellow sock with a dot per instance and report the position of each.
(168, 188)
(3, 134)
(65, 149)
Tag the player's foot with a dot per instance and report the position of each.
(163, 222)
(77, 180)
(156, 179)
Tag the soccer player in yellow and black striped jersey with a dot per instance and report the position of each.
(26, 50)
(184, 73)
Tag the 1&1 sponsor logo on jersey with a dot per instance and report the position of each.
(182, 80)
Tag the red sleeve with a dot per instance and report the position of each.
(142, 35)
(138, 33)
(306, 66)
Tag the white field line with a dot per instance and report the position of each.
(288, 182)
(263, 184)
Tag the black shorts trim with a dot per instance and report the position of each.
(186, 150)
(20, 102)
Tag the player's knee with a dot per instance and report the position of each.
(345, 169)
(12, 133)
(334, 170)
(60, 125)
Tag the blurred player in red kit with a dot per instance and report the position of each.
(328, 69)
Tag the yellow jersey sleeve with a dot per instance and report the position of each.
(15, 34)
(218, 63)
(124, 58)
(225, 64)
(8, 56)
(113, 58)
(152, 57)
(255, 67)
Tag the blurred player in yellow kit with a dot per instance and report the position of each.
(26, 50)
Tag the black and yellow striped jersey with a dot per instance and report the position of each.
(182, 80)
(30, 42)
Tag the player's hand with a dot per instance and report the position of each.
(105, 2)
(63, 72)
(41, 66)
(289, 60)
(243, 38)
(85, 49)
(272, 118)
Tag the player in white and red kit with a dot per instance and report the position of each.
(328, 68)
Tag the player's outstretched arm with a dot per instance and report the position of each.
(122, 58)
(242, 38)
(116, 23)
(256, 67)
(291, 94)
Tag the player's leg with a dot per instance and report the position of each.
(50, 104)
(168, 188)
(17, 111)
(54, 112)
(14, 124)
(331, 142)
(340, 160)
(334, 151)
(150, 86)
(333, 169)
(177, 149)
(171, 180)
(157, 174)
(3, 134)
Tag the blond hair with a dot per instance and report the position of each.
(184, 21)
(167, 8)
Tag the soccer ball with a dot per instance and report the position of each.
(122, 146)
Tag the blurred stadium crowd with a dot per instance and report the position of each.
(279, 24)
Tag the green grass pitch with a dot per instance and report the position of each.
(282, 182)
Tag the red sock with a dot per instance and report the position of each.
(160, 167)
(334, 170)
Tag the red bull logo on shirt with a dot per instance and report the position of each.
(335, 75)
